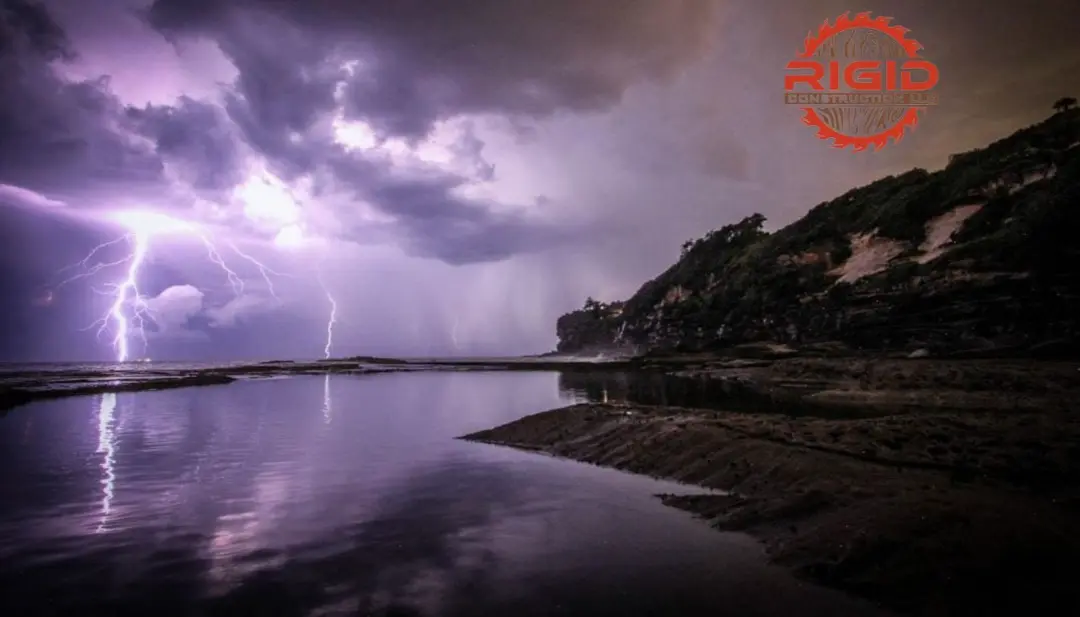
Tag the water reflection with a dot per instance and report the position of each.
(427, 548)
(107, 448)
(326, 406)
(236, 500)
(649, 388)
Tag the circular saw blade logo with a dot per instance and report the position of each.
(860, 82)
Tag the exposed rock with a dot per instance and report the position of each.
(593, 329)
(939, 232)
(674, 295)
(870, 254)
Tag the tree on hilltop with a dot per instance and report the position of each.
(1065, 103)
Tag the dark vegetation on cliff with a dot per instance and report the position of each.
(595, 327)
(978, 257)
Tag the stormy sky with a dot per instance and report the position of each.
(453, 174)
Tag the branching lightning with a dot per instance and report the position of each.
(263, 270)
(215, 257)
(124, 293)
(139, 309)
(90, 270)
(129, 311)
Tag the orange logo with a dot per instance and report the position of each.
(860, 82)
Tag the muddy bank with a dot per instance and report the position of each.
(18, 387)
(879, 386)
(22, 387)
(1016, 376)
(839, 388)
(933, 513)
(13, 396)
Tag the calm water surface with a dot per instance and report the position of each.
(349, 496)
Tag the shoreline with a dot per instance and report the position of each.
(780, 382)
(938, 529)
(967, 507)
(20, 387)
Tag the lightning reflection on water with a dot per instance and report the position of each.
(107, 447)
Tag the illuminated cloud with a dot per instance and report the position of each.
(18, 196)
(232, 313)
(173, 309)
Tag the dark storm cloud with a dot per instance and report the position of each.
(77, 142)
(418, 63)
(55, 136)
(27, 24)
(284, 85)
(196, 137)
(438, 223)
(423, 61)
(285, 80)
(470, 148)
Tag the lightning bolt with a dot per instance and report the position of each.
(331, 320)
(129, 285)
(215, 257)
(89, 270)
(125, 292)
(128, 311)
(263, 270)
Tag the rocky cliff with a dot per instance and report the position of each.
(979, 257)
(592, 329)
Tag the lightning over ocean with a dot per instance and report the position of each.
(331, 319)
(128, 313)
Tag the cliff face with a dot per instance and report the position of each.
(980, 256)
(592, 329)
